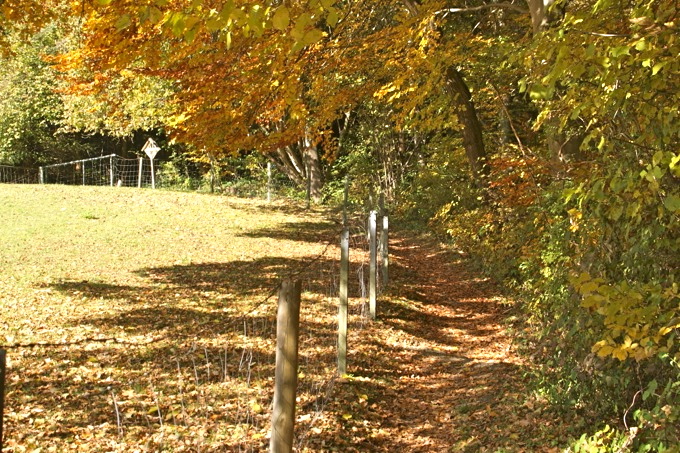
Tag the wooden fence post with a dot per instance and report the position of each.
(384, 249)
(269, 182)
(153, 175)
(342, 311)
(287, 332)
(139, 172)
(110, 169)
(372, 264)
(3, 367)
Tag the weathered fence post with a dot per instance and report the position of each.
(42, 176)
(384, 249)
(287, 331)
(139, 173)
(84, 173)
(153, 175)
(342, 311)
(111, 168)
(269, 182)
(372, 264)
(3, 367)
(344, 286)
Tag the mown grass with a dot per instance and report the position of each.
(140, 320)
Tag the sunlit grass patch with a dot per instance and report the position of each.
(147, 318)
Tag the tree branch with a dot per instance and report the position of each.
(511, 6)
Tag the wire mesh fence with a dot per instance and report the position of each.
(262, 181)
(198, 371)
(110, 170)
(18, 175)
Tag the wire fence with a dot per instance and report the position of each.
(264, 181)
(19, 175)
(216, 376)
(110, 170)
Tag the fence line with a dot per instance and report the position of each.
(316, 269)
(18, 175)
(113, 170)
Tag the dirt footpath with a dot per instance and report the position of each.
(437, 371)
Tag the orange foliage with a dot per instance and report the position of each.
(516, 180)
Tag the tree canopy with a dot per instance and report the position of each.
(541, 135)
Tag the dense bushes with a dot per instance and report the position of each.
(592, 256)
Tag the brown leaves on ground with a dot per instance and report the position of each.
(437, 372)
(155, 332)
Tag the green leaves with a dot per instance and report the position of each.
(635, 316)
(281, 18)
(672, 203)
(123, 22)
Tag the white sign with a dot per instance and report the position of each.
(150, 148)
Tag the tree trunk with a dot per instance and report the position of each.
(302, 165)
(289, 162)
(314, 172)
(473, 141)
(539, 14)
(465, 111)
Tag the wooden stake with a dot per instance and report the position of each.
(384, 249)
(287, 332)
(372, 264)
(139, 173)
(110, 170)
(342, 312)
(345, 202)
(3, 367)
(153, 176)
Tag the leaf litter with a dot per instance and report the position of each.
(145, 321)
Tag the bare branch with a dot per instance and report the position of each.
(411, 6)
(511, 6)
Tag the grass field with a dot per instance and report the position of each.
(144, 321)
(139, 320)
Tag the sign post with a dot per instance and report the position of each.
(151, 148)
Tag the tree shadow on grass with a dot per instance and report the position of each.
(313, 232)
(288, 207)
(179, 298)
(188, 329)
(242, 278)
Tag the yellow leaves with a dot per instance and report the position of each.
(602, 348)
(256, 407)
(281, 18)
(631, 316)
(123, 22)
(332, 18)
(312, 36)
(574, 218)
(620, 354)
